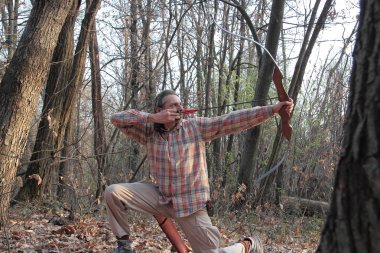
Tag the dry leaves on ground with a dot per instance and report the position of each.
(40, 230)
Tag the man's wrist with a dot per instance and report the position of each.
(275, 108)
(151, 118)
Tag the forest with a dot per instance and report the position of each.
(304, 182)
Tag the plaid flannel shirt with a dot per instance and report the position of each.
(177, 159)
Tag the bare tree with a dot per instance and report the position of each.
(64, 107)
(353, 223)
(210, 64)
(132, 88)
(261, 92)
(100, 142)
(46, 150)
(20, 88)
(9, 15)
(295, 86)
(149, 77)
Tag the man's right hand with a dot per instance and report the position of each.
(164, 116)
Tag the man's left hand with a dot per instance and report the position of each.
(287, 104)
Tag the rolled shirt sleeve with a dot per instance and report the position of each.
(132, 123)
(234, 122)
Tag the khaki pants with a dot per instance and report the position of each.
(143, 197)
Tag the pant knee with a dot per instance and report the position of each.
(111, 191)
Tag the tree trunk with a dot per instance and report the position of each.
(66, 192)
(46, 149)
(9, 13)
(353, 223)
(178, 11)
(21, 87)
(210, 64)
(77, 71)
(221, 99)
(100, 143)
(200, 66)
(229, 159)
(261, 92)
(149, 78)
(295, 86)
(208, 84)
(65, 101)
(135, 82)
(237, 67)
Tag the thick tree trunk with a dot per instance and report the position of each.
(21, 87)
(70, 76)
(46, 149)
(261, 92)
(353, 223)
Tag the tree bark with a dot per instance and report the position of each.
(77, 71)
(21, 87)
(135, 80)
(100, 142)
(210, 65)
(353, 223)
(72, 75)
(46, 149)
(9, 17)
(295, 86)
(261, 92)
(66, 192)
(199, 64)
(222, 98)
(149, 77)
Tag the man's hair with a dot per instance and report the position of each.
(159, 100)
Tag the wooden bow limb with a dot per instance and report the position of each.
(172, 233)
(286, 127)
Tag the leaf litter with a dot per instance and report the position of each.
(40, 230)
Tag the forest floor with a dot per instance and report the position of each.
(39, 229)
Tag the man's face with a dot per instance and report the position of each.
(171, 102)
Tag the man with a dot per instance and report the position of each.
(177, 161)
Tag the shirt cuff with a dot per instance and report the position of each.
(269, 111)
(144, 117)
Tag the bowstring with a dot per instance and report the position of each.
(243, 37)
(277, 165)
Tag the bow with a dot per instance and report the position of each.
(277, 76)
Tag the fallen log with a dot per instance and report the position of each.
(307, 206)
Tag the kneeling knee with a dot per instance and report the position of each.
(111, 190)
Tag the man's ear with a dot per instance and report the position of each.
(158, 109)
